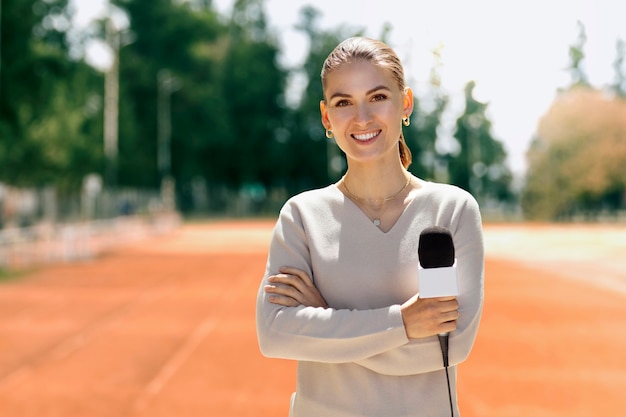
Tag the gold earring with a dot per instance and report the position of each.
(406, 121)
(329, 134)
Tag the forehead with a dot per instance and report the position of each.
(358, 76)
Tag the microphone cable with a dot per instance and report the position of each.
(443, 342)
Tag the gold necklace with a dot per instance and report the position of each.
(376, 220)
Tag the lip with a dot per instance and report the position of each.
(366, 137)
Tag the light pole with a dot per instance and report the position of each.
(111, 106)
(166, 85)
(0, 42)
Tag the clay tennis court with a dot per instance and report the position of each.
(165, 327)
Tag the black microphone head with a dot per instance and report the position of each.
(436, 248)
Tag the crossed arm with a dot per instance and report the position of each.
(422, 317)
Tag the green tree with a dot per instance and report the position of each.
(177, 39)
(254, 85)
(317, 160)
(577, 58)
(619, 65)
(47, 100)
(480, 165)
(422, 135)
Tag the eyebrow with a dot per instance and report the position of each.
(373, 90)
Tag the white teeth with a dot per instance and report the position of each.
(366, 136)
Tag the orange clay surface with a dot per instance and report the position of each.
(166, 328)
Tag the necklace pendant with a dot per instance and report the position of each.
(376, 222)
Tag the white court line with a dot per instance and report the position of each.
(174, 363)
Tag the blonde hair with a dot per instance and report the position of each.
(378, 53)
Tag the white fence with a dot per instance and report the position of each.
(45, 243)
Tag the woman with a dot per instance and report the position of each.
(340, 293)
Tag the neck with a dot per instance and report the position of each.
(375, 185)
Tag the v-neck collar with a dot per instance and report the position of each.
(364, 217)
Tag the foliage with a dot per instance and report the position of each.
(47, 128)
(421, 136)
(315, 159)
(176, 37)
(479, 166)
(231, 124)
(577, 162)
(577, 57)
(254, 84)
(619, 65)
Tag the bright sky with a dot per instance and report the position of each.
(516, 51)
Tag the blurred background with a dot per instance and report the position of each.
(124, 120)
(199, 108)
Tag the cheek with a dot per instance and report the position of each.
(339, 124)
(392, 115)
(340, 115)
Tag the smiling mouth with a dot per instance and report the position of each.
(364, 137)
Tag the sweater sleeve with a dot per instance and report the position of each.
(317, 334)
(424, 355)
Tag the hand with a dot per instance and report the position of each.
(293, 288)
(425, 317)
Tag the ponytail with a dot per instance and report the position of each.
(405, 152)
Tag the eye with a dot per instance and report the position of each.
(342, 103)
(379, 97)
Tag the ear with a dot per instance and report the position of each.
(408, 101)
(324, 114)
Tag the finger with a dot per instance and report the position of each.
(444, 299)
(304, 277)
(282, 300)
(284, 278)
(299, 286)
(290, 280)
(447, 327)
(285, 290)
(450, 316)
(449, 305)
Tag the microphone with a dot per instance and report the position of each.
(437, 270)
(437, 278)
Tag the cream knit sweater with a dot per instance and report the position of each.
(354, 358)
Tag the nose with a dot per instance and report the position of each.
(363, 115)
